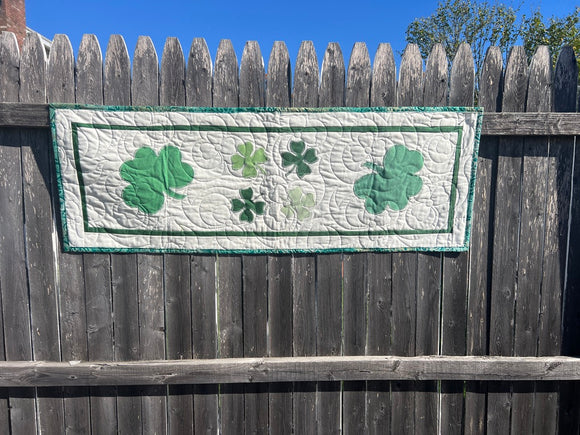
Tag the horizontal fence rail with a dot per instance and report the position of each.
(291, 369)
(494, 124)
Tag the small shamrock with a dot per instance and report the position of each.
(298, 160)
(151, 177)
(248, 161)
(393, 183)
(247, 206)
(299, 204)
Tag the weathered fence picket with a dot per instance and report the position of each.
(435, 93)
(455, 267)
(514, 293)
(329, 271)
(481, 247)
(303, 280)
(560, 275)
(14, 285)
(404, 267)
(280, 292)
(379, 312)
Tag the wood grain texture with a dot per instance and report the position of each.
(230, 317)
(506, 228)
(455, 266)
(565, 99)
(404, 266)
(329, 266)
(278, 90)
(198, 92)
(435, 93)
(481, 243)
(254, 267)
(176, 268)
(71, 297)
(379, 330)
(531, 238)
(39, 232)
(145, 92)
(304, 94)
(287, 369)
(384, 77)
(13, 279)
(124, 278)
(97, 267)
(494, 124)
(355, 289)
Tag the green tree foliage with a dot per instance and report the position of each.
(555, 33)
(482, 24)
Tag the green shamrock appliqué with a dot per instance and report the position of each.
(299, 204)
(393, 183)
(298, 160)
(248, 161)
(247, 206)
(151, 177)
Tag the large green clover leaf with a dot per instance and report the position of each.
(299, 159)
(151, 177)
(393, 183)
(299, 204)
(246, 161)
(247, 205)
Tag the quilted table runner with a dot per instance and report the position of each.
(265, 180)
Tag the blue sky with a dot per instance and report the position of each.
(370, 21)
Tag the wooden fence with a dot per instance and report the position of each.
(516, 293)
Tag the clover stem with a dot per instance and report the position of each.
(174, 194)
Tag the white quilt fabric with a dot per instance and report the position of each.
(265, 180)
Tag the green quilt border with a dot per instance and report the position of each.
(68, 248)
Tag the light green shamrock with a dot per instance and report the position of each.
(246, 161)
(299, 204)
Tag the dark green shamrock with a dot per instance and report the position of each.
(248, 161)
(247, 206)
(299, 160)
(392, 184)
(151, 176)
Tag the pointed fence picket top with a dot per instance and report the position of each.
(305, 91)
(384, 77)
(199, 74)
(149, 306)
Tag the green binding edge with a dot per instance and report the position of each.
(68, 248)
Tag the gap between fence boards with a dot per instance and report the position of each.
(289, 369)
(494, 124)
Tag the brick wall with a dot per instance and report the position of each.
(13, 18)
